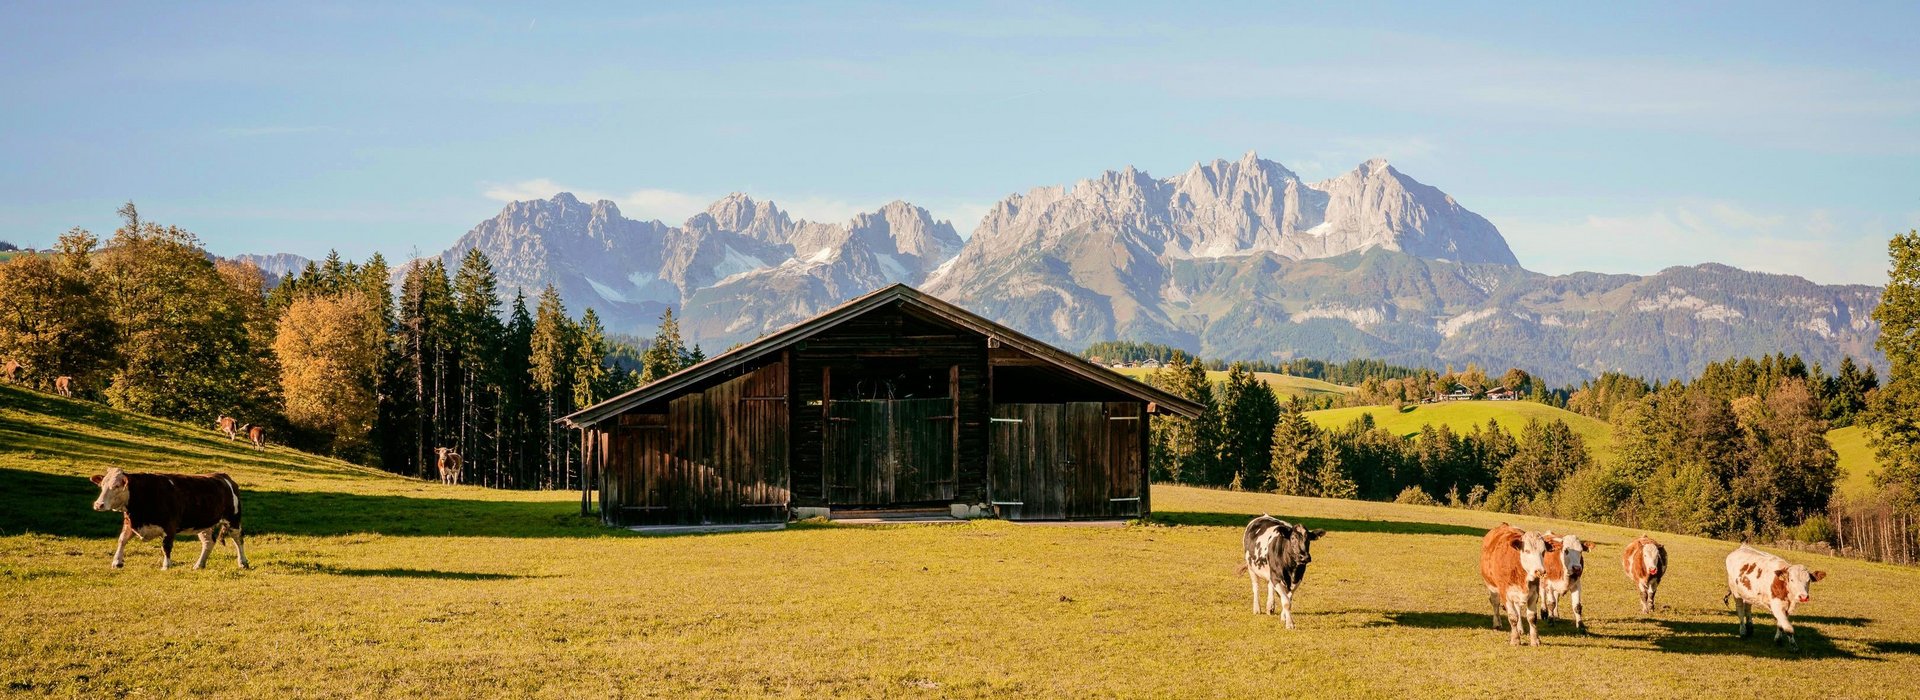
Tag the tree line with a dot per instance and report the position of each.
(329, 359)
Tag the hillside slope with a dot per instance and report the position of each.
(1462, 416)
(372, 585)
(1282, 384)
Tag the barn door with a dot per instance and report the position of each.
(1066, 460)
(890, 451)
(715, 456)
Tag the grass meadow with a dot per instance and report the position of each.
(1282, 384)
(367, 584)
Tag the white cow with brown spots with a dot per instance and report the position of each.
(257, 435)
(1561, 578)
(10, 371)
(1646, 562)
(1758, 578)
(63, 385)
(228, 425)
(449, 465)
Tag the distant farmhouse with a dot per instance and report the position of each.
(893, 402)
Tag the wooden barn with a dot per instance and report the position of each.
(893, 402)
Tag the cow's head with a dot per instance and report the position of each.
(1300, 543)
(1797, 582)
(1533, 554)
(1572, 554)
(441, 451)
(1650, 558)
(113, 490)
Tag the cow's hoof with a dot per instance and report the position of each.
(118, 565)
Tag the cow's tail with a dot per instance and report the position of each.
(1241, 569)
(232, 523)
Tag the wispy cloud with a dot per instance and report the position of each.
(1820, 245)
(275, 130)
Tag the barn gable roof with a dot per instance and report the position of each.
(673, 384)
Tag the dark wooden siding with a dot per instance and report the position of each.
(716, 456)
(1052, 461)
(884, 452)
(888, 335)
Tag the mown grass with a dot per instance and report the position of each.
(371, 585)
(1282, 384)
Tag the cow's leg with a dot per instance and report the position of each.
(1579, 619)
(166, 552)
(206, 546)
(1532, 618)
(1653, 592)
(239, 546)
(1273, 594)
(1253, 580)
(120, 550)
(1782, 626)
(1493, 599)
(1745, 612)
(1286, 605)
(1513, 624)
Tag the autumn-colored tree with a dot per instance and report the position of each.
(52, 322)
(329, 348)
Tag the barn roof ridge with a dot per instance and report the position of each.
(672, 383)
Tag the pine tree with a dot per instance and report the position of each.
(514, 432)
(667, 353)
(1248, 412)
(1894, 417)
(550, 363)
(477, 318)
(1186, 451)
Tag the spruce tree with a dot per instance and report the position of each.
(1894, 416)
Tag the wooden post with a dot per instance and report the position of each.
(586, 451)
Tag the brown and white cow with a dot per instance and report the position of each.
(1758, 578)
(449, 465)
(1561, 578)
(165, 505)
(63, 385)
(1277, 552)
(1512, 562)
(257, 435)
(1646, 562)
(10, 371)
(228, 425)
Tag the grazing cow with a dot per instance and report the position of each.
(1512, 561)
(165, 505)
(1277, 552)
(1645, 561)
(1758, 578)
(1561, 578)
(64, 385)
(257, 435)
(228, 425)
(10, 370)
(449, 465)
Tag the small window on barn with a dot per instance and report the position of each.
(885, 380)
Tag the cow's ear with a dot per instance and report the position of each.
(96, 479)
(1516, 544)
(1819, 575)
(1316, 534)
(1586, 546)
(1780, 573)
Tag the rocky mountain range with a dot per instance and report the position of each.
(1231, 259)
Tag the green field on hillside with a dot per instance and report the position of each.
(1461, 416)
(1283, 384)
(373, 585)
(1857, 461)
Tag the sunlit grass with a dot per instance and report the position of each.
(1462, 416)
(373, 585)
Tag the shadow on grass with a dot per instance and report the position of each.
(1910, 648)
(63, 505)
(1395, 527)
(396, 572)
(1720, 638)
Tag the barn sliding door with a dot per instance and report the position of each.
(1054, 461)
(890, 451)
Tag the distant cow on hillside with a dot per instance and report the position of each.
(63, 385)
(1646, 562)
(165, 505)
(257, 435)
(10, 371)
(1758, 578)
(1561, 578)
(228, 425)
(1277, 552)
(1512, 562)
(449, 464)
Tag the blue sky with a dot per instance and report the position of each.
(1780, 137)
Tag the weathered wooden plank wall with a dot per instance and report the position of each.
(888, 335)
(716, 456)
(1052, 461)
(890, 451)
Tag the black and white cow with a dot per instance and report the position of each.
(1277, 552)
(165, 505)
